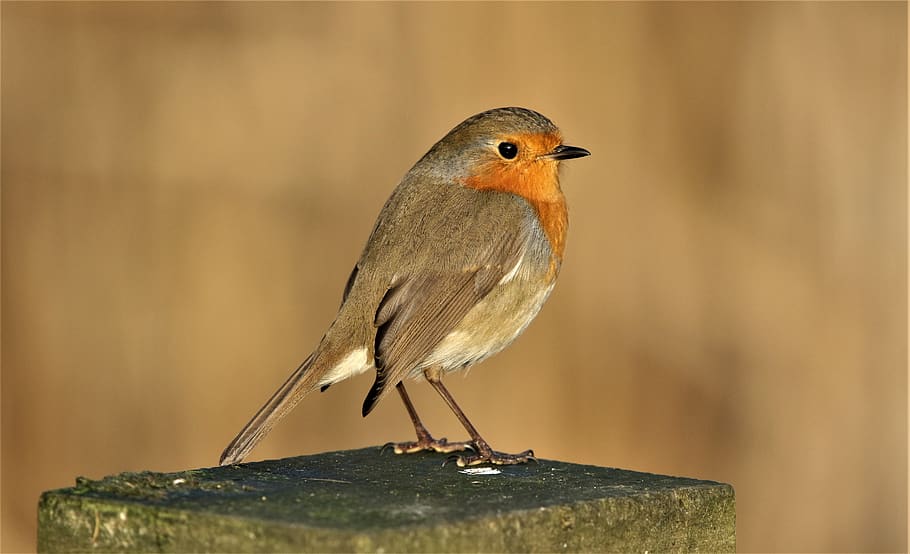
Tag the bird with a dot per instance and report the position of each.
(460, 260)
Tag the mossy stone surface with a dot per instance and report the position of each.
(367, 501)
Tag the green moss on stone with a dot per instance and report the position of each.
(365, 501)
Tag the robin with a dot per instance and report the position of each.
(462, 257)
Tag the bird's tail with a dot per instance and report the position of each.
(298, 385)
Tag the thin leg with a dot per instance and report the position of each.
(425, 441)
(482, 451)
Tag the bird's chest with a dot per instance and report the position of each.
(498, 319)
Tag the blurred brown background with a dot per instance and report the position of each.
(186, 187)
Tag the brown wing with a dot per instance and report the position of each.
(419, 310)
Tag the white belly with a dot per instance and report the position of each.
(488, 328)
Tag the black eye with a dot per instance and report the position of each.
(508, 150)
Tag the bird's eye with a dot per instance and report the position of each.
(508, 150)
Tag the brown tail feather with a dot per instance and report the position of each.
(298, 385)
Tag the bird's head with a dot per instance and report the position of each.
(513, 150)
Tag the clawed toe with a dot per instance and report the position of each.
(491, 457)
(480, 451)
(442, 446)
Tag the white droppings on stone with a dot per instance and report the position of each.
(480, 471)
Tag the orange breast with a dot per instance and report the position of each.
(538, 182)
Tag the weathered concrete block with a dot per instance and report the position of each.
(364, 501)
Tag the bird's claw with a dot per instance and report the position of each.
(491, 457)
(430, 444)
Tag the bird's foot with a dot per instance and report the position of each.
(491, 457)
(429, 444)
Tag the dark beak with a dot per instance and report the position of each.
(563, 152)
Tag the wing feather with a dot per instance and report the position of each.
(420, 309)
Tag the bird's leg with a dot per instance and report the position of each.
(424, 441)
(482, 451)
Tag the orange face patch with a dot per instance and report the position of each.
(532, 177)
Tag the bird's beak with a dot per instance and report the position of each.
(563, 152)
